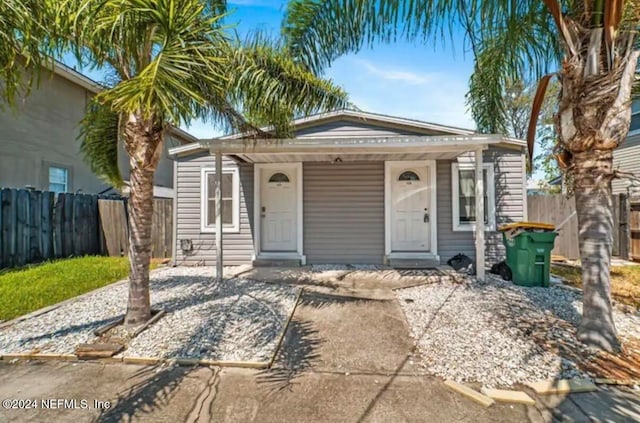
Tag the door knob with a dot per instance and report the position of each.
(426, 216)
(264, 209)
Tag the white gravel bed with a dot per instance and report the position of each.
(238, 319)
(493, 332)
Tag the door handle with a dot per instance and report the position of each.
(426, 215)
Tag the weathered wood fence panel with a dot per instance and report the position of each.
(113, 221)
(634, 229)
(556, 208)
(37, 226)
(162, 228)
(624, 234)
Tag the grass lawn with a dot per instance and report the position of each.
(33, 287)
(625, 281)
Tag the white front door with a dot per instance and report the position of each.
(278, 209)
(410, 213)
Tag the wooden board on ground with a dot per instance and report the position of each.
(502, 395)
(84, 351)
(625, 382)
(563, 386)
(469, 393)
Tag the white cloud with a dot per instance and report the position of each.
(435, 97)
(391, 74)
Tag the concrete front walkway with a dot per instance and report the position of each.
(347, 357)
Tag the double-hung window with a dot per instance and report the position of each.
(463, 184)
(230, 200)
(634, 128)
(58, 179)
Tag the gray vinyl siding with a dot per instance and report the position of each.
(509, 205)
(352, 128)
(625, 158)
(238, 247)
(43, 131)
(344, 212)
(343, 204)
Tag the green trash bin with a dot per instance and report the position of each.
(529, 248)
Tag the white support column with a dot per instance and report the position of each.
(219, 263)
(479, 230)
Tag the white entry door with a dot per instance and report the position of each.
(410, 212)
(278, 210)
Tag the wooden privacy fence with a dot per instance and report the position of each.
(35, 226)
(38, 225)
(113, 217)
(556, 208)
(634, 228)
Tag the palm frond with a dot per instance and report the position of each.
(23, 46)
(271, 87)
(164, 51)
(504, 54)
(538, 100)
(100, 131)
(566, 36)
(509, 39)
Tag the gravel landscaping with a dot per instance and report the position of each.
(500, 334)
(238, 319)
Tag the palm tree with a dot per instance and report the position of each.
(170, 62)
(594, 48)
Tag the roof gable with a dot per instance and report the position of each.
(345, 123)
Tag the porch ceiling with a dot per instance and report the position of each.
(342, 157)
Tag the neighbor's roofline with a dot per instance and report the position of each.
(74, 76)
(358, 114)
(182, 133)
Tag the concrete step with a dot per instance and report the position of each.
(276, 263)
(421, 263)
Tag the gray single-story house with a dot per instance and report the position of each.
(349, 188)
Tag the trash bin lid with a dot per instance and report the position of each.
(527, 225)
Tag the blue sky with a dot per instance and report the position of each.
(401, 79)
(413, 81)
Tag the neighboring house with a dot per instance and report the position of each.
(625, 157)
(539, 187)
(39, 146)
(558, 184)
(351, 187)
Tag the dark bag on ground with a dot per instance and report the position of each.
(502, 269)
(461, 263)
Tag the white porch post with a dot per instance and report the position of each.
(219, 264)
(479, 232)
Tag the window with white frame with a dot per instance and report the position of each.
(230, 200)
(58, 179)
(463, 184)
(635, 117)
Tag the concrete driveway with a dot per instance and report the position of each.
(347, 357)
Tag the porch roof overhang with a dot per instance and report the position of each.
(359, 148)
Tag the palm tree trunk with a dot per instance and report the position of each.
(143, 141)
(594, 207)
